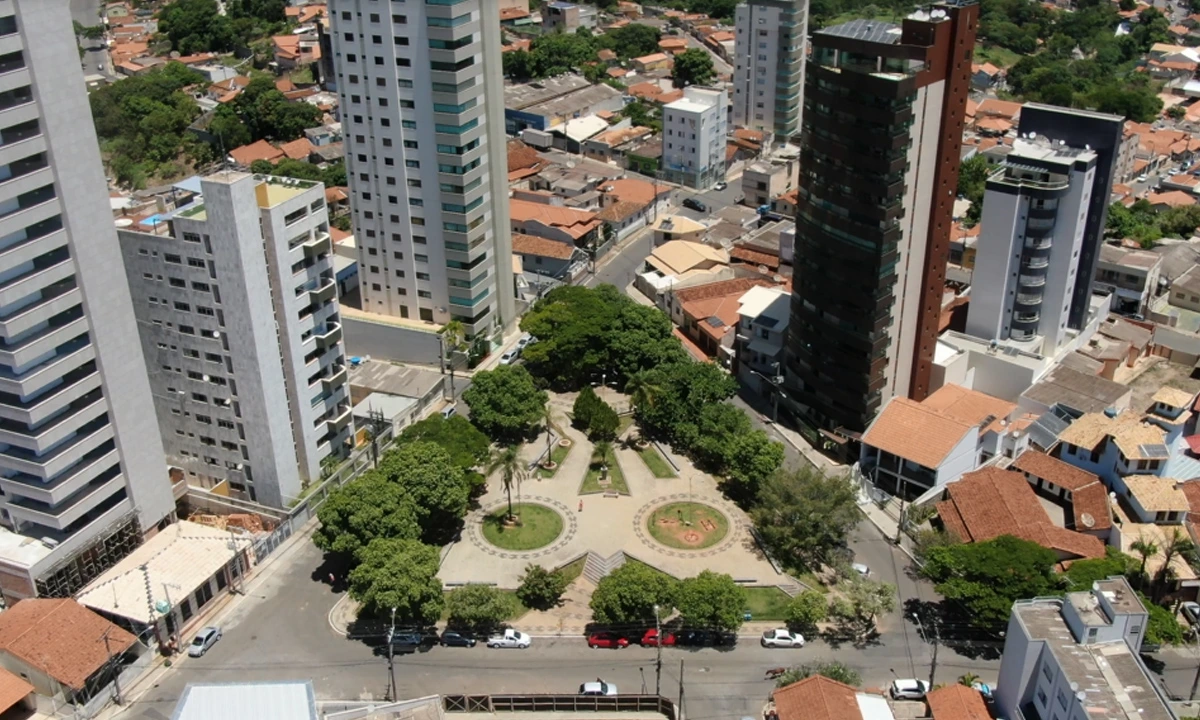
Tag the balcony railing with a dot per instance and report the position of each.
(1032, 280)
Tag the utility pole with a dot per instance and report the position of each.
(1196, 681)
(391, 694)
(658, 660)
(117, 673)
(937, 641)
(900, 519)
(679, 707)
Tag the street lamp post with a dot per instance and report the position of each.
(936, 640)
(658, 659)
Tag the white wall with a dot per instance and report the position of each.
(997, 258)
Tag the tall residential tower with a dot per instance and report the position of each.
(82, 471)
(237, 305)
(882, 130)
(422, 102)
(768, 75)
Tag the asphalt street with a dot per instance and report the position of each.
(95, 58)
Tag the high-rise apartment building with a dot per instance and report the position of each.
(1102, 134)
(422, 102)
(768, 75)
(882, 130)
(1035, 213)
(82, 472)
(694, 137)
(237, 306)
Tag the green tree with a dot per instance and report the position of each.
(642, 338)
(632, 40)
(711, 600)
(643, 114)
(1145, 549)
(604, 423)
(362, 510)
(750, 459)
(1176, 545)
(804, 611)
(1162, 627)
(584, 407)
(540, 588)
(479, 608)
(195, 26)
(504, 403)
(863, 601)
(229, 129)
(401, 574)
(628, 595)
(803, 515)
(983, 579)
(342, 223)
(833, 670)
(512, 471)
(686, 388)
(90, 32)
(438, 489)
(467, 447)
(266, 10)
(692, 67)
(717, 426)
(972, 178)
(518, 65)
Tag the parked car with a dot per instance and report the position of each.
(703, 638)
(509, 639)
(782, 637)
(204, 639)
(694, 204)
(909, 689)
(510, 357)
(1191, 611)
(861, 569)
(651, 638)
(720, 185)
(451, 638)
(525, 341)
(597, 688)
(607, 640)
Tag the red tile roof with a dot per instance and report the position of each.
(61, 638)
(957, 702)
(530, 245)
(1089, 496)
(754, 257)
(297, 149)
(261, 150)
(817, 698)
(12, 690)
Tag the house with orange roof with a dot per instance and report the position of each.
(514, 16)
(304, 14)
(630, 10)
(722, 43)
(518, 44)
(292, 51)
(645, 90)
(985, 76)
(577, 228)
(298, 149)
(819, 698)
(1171, 199)
(708, 314)
(605, 146)
(672, 45)
(913, 447)
(225, 90)
(605, 55)
(785, 204)
(1085, 495)
(550, 258)
(247, 155)
(652, 62)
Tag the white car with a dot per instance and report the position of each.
(204, 639)
(782, 637)
(1142, 178)
(510, 357)
(509, 639)
(861, 569)
(720, 186)
(597, 688)
(909, 689)
(525, 341)
(1191, 611)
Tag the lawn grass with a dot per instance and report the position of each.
(766, 603)
(687, 517)
(519, 608)
(539, 527)
(655, 461)
(591, 481)
(996, 55)
(303, 75)
(813, 582)
(572, 570)
(624, 423)
(557, 454)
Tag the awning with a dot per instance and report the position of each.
(13, 689)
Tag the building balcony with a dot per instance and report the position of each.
(51, 269)
(74, 386)
(56, 299)
(101, 460)
(17, 145)
(53, 463)
(329, 336)
(40, 439)
(1031, 281)
(62, 516)
(1035, 263)
(1029, 299)
(67, 357)
(336, 378)
(1041, 243)
(339, 419)
(320, 290)
(13, 78)
(1027, 318)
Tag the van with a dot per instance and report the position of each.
(449, 411)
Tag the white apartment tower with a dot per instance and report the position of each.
(768, 74)
(694, 137)
(82, 472)
(236, 301)
(422, 102)
(1035, 212)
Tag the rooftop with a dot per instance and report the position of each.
(1157, 494)
(817, 698)
(519, 97)
(541, 247)
(915, 432)
(970, 406)
(1089, 497)
(575, 223)
(869, 30)
(378, 376)
(1135, 439)
(1173, 397)
(290, 700)
(1076, 390)
(678, 256)
(957, 702)
(61, 638)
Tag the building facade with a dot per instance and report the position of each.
(882, 131)
(1034, 218)
(422, 102)
(81, 467)
(768, 75)
(249, 377)
(694, 131)
(1102, 134)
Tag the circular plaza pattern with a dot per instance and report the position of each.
(540, 526)
(687, 525)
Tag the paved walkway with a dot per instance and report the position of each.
(605, 525)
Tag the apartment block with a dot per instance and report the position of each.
(768, 75)
(881, 140)
(422, 102)
(694, 131)
(82, 471)
(1034, 218)
(237, 305)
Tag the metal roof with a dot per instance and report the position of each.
(868, 30)
(261, 701)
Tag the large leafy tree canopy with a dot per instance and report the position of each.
(711, 600)
(684, 390)
(629, 594)
(693, 66)
(401, 574)
(439, 490)
(1146, 225)
(467, 447)
(982, 580)
(803, 514)
(504, 403)
(362, 510)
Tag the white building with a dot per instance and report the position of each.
(237, 306)
(1077, 657)
(762, 328)
(81, 466)
(694, 136)
(1027, 257)
(768, 76)
(422, 103)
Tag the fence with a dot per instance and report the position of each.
(558, 703)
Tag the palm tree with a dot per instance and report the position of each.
(1145, 549)
(968, 679)
(548, 419)
(641, 390)
(454, 335)
(512, 471)
(602, 450)
(1174, 546)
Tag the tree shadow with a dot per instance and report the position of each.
(954, 629)
(333, 572)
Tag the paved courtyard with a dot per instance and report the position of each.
(606, 525)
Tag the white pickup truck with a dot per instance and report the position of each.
(509, 639)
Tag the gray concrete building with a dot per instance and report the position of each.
(82, 472)
(768, 75)
(236, 300)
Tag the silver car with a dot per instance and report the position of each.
(598, 688)
(204, 639)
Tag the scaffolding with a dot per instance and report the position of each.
(69, 575)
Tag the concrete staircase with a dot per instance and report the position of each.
(596, 567)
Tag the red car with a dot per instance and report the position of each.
(606, 640)
(650, 639)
